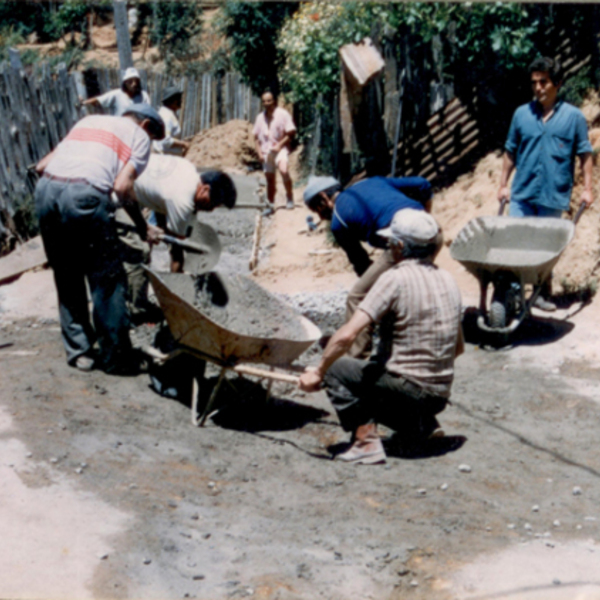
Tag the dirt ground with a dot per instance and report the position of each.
(108, 490)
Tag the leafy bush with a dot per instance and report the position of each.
(69, 18)
(252, 29)
(174, 28)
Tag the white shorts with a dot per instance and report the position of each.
(274, 159)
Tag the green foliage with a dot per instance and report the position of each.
(69, 18)
(23, 16)
(252, 29)
(9, 36)
(483, 38)
(575, 88)
(174, 28)
(25, 217)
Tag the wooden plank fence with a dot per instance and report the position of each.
(38, 108)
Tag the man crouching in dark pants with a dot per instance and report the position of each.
(419, 308)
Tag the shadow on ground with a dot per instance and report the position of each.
(426, 449)
(243, 406)
(534, 331)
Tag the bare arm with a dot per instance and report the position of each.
(123, 188)
(90, 101)
(338, 345)
(508, 165)
(587, 164)
(258, 150)
(41, 166)
(284, 141)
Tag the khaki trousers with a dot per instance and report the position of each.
(361, 348)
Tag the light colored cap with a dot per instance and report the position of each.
(412, 225)
(145, 111)
(131, 73)
(316, 185)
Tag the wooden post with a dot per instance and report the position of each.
(123, 41)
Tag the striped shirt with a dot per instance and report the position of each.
(97, 149)
(423, 305)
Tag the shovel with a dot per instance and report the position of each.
(202, 248)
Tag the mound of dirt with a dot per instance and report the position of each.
(227, 146)
(475, 194)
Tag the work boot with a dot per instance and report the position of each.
(366, 449)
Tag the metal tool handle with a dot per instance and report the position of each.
(503, 204)
(579, 212)
(185, 244)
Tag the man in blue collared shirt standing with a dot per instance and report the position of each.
(544, 137)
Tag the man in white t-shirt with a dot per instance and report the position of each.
(116, 102)
(100, 156)
(172, 144)
(273, 132)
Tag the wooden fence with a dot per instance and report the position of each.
(38, 108)
(439, 128)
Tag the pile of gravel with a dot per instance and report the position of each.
(327, 310)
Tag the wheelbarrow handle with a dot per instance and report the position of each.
(579, 212)
(244, 370)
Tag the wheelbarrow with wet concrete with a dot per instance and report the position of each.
(510, 253)
(234, 323)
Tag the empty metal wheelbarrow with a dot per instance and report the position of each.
(510, 252)
(200, 334)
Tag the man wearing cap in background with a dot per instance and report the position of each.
(172, 144)
(356, 215)
(100, 156)
(409, 382)
(273, 132)
(116, 102)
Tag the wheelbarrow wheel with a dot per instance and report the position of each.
(505, 302)
(497, 314)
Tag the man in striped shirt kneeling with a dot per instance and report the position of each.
(408, 382)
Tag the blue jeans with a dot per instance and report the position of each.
(80, 239)
(526, 209)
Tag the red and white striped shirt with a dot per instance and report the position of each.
(97, 149)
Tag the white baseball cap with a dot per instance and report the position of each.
(131, 73)
(412, 225)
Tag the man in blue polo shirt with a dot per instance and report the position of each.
(544, 137)
(356, 215)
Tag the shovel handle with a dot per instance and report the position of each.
(579, 212)
(503, 204)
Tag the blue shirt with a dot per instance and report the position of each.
(544, 153)
(368, 206)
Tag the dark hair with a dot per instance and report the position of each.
(543, 64)
(268, 90)
(222, 189)
(412, 250)
(329, 192)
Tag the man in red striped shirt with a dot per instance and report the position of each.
(100, 156)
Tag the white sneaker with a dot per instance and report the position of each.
(84, 363)
(290, 204)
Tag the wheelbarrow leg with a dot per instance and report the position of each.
(208, 409)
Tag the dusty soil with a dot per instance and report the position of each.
(227, 146)
(109, 491)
